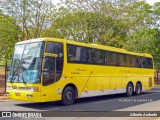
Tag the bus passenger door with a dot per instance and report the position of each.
(49, 70)
(52, 70)
(48, 78)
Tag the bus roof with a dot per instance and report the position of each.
(102, 47)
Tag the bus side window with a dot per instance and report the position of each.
(124, 60)
(147, 63)
(109, 58)
(50, 47)
(115, 58)
(93, 56)
(138, 62)
(132, 61)
(83, 55)
(75, 54)
(112, 58)
(89, 57)
(49, 71)
(59, 60)
(71, 53)
(127, 61)
(120, 59)
(106, 57)
(101, 57)
(56, 48)
(144, 62)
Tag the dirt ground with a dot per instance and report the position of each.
(3, 97)
(2, 85)
(2, 81)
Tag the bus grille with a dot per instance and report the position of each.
(14, 87)
(22, 88)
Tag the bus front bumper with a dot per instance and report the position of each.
(24, 95)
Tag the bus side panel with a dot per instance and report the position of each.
(92, 80)
(54, 91)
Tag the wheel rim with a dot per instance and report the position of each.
(130, 90)
(138, 89)
(69, 96)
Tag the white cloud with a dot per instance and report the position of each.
(151, 2)
(55, 1)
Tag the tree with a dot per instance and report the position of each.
(156, 48)
(156, 15)
(130, 24)
(10, 33)
(88, 27)
(32, 15)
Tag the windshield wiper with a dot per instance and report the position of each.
(20, 63)
(14, 71)
(21, 67)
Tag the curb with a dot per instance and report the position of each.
(4, 100)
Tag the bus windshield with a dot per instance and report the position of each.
(26, 63)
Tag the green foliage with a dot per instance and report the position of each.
(88, 27)
(31, 15)
(130, 24)
(10, 33)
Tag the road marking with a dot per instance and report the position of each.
(121, 98)
(53, 109)
(78, 110)
(151, 93)
(106, 101)
(5, 100)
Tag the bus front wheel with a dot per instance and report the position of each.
(129, 89)
(68, 96)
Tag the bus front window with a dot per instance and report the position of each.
(26, 63)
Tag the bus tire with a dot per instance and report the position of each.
(138, 88)
(68, 96)
(129, 89)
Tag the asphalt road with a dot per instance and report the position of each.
(101, 103)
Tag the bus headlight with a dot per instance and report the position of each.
(7, 93)
(33, 89)
(8, 87)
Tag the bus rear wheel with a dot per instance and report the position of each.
(68, 96)
(138, 89)
(129, 89)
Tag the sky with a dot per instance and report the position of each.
(151, 2)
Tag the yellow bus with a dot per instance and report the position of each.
(52, 69)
